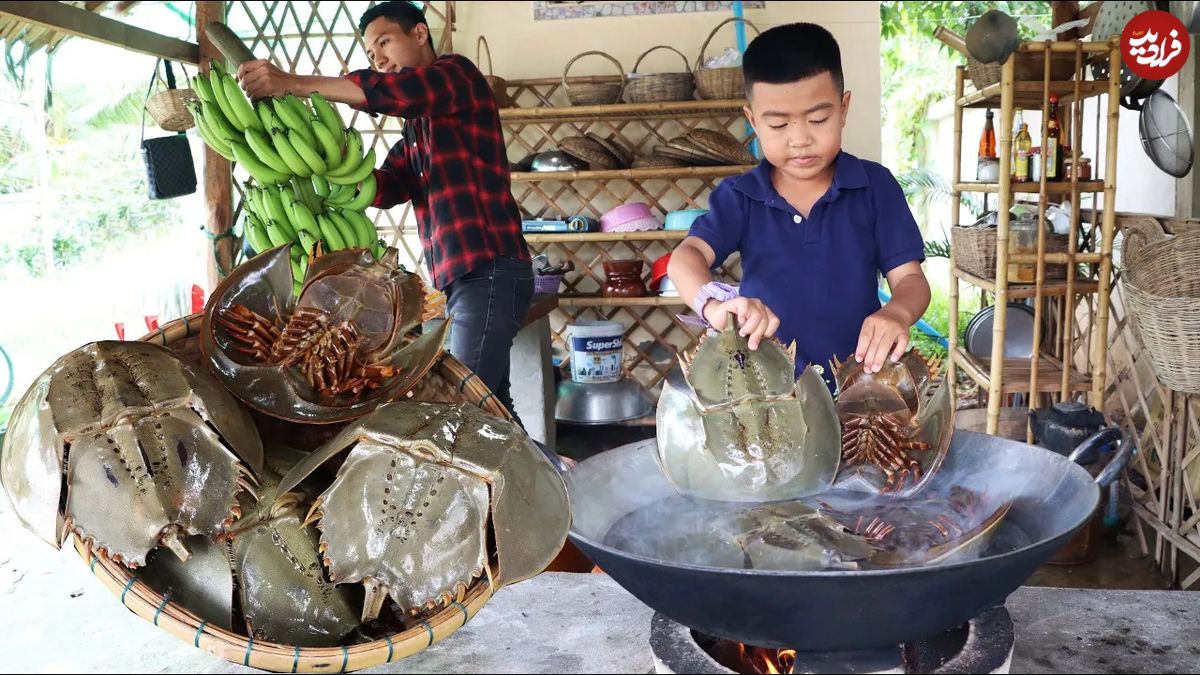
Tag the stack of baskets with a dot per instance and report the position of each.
(594, 92)
(1162, 290)
(975, 251)
(720, 83)
(660, 87)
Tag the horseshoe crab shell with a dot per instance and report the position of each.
(426, 491)
(130, 448)
(736, 425)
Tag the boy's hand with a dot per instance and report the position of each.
(755, 319)
(880, 332)
(261, 79)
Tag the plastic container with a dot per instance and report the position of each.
(596, 351)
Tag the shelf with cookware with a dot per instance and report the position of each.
(1046, 272)
(609, 170)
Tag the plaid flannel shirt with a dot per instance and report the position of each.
(451, 164)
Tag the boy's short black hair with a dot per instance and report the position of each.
(403, 12)
(790, 53)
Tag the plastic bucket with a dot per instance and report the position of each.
(596, 350)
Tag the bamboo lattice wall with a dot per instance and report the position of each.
(321, 38)
(1164, 476)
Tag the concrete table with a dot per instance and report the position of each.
(60, 619)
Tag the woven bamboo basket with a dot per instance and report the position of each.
(498, 84)
(1029, 67)
(169, 111)
(661, 87)
(1162, 290)
(594, 93)
(720, 83)
(975, 251)
(449, 381)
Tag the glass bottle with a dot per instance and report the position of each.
(987, 140)
(1022, 145)
(1052, 149)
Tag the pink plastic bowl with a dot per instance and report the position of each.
(629, 217)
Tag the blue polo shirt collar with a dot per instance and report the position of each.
(848, 174)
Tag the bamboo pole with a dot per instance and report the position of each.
(1100, 343)
(1008, 71)
(1040, 275)
(1069, 299)
(955, 210)
(218, 174)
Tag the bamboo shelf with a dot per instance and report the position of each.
(541, 117)
(601, 301)
(1015, 374)
(1052, 187)
(1070, 314)
(1022, 291)
(632, 174)
(622, 111)
(583, 237)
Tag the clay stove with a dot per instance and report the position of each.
(982, 645)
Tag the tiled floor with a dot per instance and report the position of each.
(1118, 562)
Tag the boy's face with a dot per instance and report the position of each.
(390, 48)
(799, 124)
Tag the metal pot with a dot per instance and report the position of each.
(1052, 496)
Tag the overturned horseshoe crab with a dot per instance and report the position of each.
(894, 434)
(425, 492)
(129, 448)
(336, 351)
(264, 572)
(738, 426)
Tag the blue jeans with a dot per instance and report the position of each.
(486, 308)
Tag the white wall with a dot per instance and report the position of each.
(523, 48)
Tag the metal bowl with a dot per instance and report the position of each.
(602, 403)
(1018, 332)
(556, 160)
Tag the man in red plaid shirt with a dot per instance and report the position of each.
(453, 167)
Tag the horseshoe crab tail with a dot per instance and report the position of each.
(373, 603)
(170, 540)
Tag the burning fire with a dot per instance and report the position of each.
(762, 660)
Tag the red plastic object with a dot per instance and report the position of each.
(658, 271)
(197, 298)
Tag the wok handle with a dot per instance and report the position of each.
(1088, 450)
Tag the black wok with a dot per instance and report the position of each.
(849, 610)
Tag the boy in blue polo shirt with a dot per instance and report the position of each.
(813, 223)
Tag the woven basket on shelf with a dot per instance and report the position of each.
(1029, 67)
(660, 87)
(498, 84)
(720, 83)
(448, 381)
(594, 93)
(975, 252)
(1162, 290)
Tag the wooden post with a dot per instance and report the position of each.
(218, 175)
(1100, 342)
(955, 210)
(1004, 202)
(1076, 219)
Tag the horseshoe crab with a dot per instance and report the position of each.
(129, 448)
(333, 353)
(424, 494)
(264, 571)
(894, 434)
(741, 427)
(922, 530)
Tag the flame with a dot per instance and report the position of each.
(772, 661)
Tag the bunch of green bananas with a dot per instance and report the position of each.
(311, 180)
